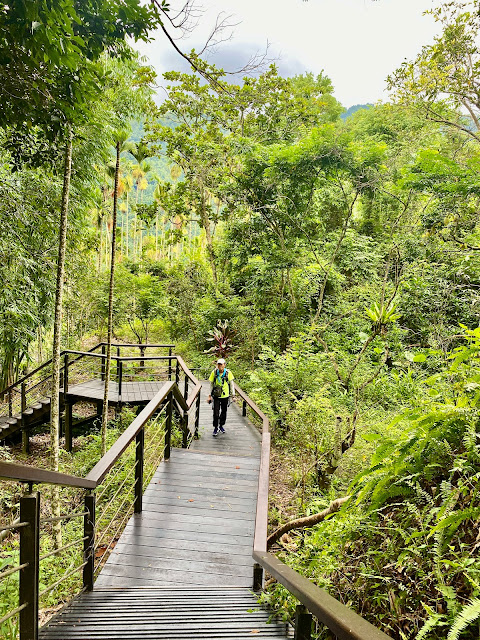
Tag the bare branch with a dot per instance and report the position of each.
(218, 35)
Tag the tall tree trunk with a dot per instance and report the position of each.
(205, 220)
(110, 306)
(57, 330)
(128, 238)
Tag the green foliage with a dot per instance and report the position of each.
(50, 50)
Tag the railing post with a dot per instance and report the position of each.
(23, 396)
(257, 577)
(103, 369)
(142, 354)
(168, 427)
(29, 554)
(65, 376)
(303, 623)
(197, 417)
(177, 372)
(89, 542)
(244, 408)
(23, 406)
(185, 392)
(170, 363)
(10, 403)
(139, 456)
(120, 377)
(185, 430)
(68, 425)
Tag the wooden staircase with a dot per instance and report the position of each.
(37, 413)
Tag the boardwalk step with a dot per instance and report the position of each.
(173, 613)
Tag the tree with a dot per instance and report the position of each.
(443, 81)
(205, 127)
(49, 49)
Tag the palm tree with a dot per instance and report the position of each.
(140, 152)
(121, 143)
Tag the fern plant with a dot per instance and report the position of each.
(427, 481)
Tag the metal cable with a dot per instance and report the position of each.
(15, 525)
(127, 478)
(55, 551)
(9, 572)
(64, 517)
(64, 577)
(14, 612)
(128, 514)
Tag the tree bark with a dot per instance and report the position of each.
(57, 329)
(309, 521)
(110, 306)
(205, 220)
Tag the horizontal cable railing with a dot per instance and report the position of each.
(344, 623)
(39, 570)
(34, 389)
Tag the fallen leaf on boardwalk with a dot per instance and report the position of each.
(255, 631)
(191, 500)
(237, 467)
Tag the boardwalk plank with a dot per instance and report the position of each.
(183, 568)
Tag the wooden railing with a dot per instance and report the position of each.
(36, 384)
(104, 507)
(344, 623)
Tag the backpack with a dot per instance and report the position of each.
(218, 388)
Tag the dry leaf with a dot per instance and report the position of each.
(191, 500)
(237, 467)
(255, 631)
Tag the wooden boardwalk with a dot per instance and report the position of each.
(183, 567)
(196, 526)
(131, 392)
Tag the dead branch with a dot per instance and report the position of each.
(308, 521)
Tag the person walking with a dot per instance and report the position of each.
(222, 392)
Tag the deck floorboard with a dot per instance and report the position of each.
(183, 567)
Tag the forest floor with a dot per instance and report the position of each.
(282, 494)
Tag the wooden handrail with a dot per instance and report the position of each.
(45, 364)
(36, 475)
(254, 407)
(87, 353)
(23, 473)
(103, 466)
(186, 370)
(130, 344)
(340, 619)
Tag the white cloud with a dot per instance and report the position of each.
(356, 42)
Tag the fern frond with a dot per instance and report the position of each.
(470, 613)
(435, 620)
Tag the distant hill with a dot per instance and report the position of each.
(356, 107)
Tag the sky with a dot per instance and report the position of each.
(356, 43)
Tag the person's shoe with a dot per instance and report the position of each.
(215, 433)
(222, 430)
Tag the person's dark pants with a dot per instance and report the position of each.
(220, 406)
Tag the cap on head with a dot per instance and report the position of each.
(220, 361)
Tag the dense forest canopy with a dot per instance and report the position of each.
(341, 246)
